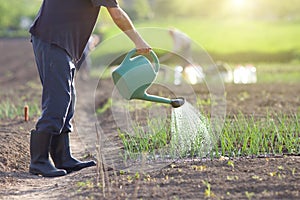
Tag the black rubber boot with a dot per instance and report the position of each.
(39, 153)
(61, 154)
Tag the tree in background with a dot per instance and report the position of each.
(251, 9)
(13, 11)
(137, 9)
(9, 16)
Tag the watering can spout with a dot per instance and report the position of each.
(154, 98)
(135, 75)
(175, 102)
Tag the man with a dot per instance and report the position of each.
(181, 47)
(182, 44)
(59, 35)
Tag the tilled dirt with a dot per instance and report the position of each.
(276, 177)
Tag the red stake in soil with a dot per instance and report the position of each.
(26, 115)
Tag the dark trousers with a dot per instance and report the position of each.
(57, 72)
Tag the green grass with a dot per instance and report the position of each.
(278, 72)
(276, 40)
(241, 136)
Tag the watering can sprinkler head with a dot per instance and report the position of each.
(177, 102)
(135, 75)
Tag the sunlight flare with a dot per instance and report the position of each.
(238, 3)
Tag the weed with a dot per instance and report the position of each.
(230, 163)
(249, 195)
(88, 184)
(232, 178)
(208, 193)
(137, 175)
(105, 107)
(293, 171)
(199, 168)
(122, 172)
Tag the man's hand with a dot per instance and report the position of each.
(143, 48)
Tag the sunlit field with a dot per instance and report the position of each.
(235, 137)
(224, 37)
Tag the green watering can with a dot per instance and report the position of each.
(135, 75)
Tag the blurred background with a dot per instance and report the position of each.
(259, 33)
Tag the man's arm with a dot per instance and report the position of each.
(122, 20)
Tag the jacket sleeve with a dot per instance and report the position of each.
(105, 3)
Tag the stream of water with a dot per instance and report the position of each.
(190, 132)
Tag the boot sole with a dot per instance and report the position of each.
(56, 174)
(77, 167)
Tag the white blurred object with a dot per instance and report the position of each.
(245, 74)
(219, 71)
(25, 22)
(178, 75)
(225, 72)
(193, 74)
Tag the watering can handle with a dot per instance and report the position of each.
(156, 61)
(153, 55)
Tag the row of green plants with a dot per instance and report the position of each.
(247, 136)
(153, 141)
(241, 136)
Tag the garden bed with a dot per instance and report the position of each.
(247, 177)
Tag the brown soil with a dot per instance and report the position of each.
(245, 178)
